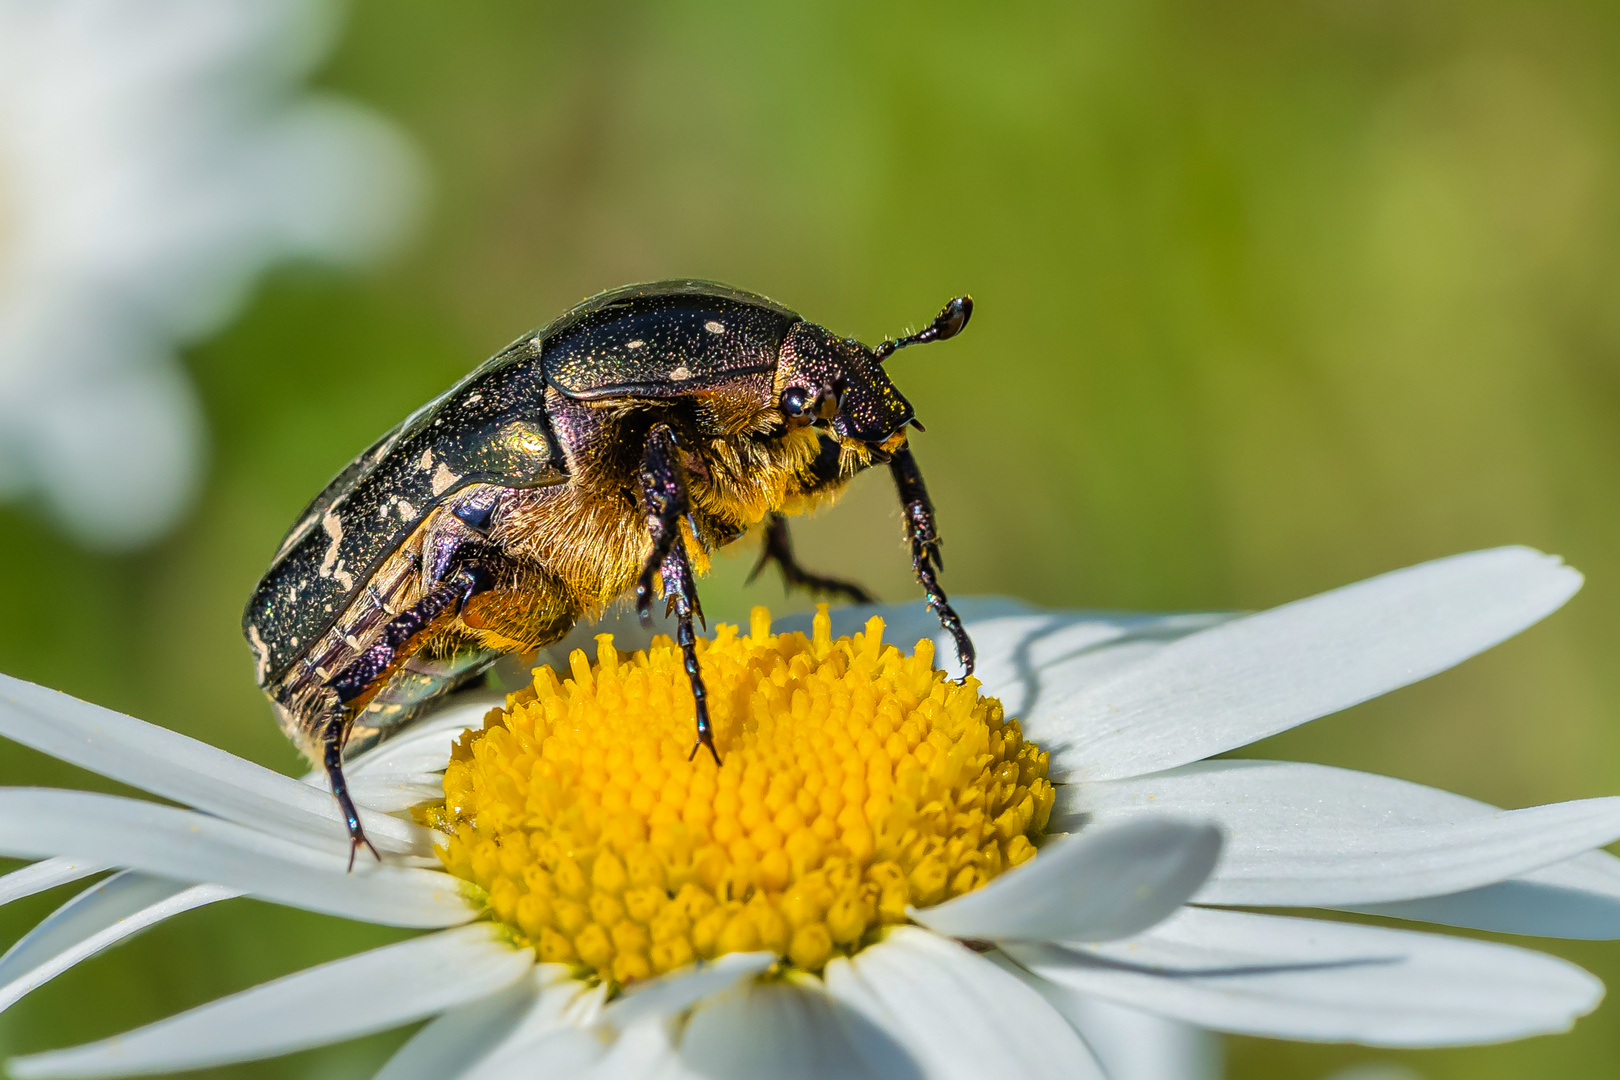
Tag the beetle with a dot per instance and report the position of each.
(608, 451)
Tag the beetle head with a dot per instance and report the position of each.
(840, 384)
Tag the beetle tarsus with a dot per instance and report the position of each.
(332, 738)
(778, 548)
(924, 538)
(665, 502)
(677, 574)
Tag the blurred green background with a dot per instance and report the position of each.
(1271, 296)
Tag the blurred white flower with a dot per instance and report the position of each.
(155, 158)
(1103, 955)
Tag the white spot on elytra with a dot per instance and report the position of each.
(680, 373)
(352, 642)
(636, 344)
(714, 327)
(427, 460)
(442, 479)
(407, 512)
(472, 399)
(334, 529)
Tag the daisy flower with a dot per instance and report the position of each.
(154, 159)
(888, 876)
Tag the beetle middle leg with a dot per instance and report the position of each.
(778, 548)
(924, 538)
(358, 681)
(665, 503)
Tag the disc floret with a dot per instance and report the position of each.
(855, 781)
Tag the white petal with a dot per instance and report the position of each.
(1104, 883)
(1135, 1045)
(1311, 835)
(389, 793)
(1033, 662)
(645, 1051)
(1244, 680)
(98, 918)
(1324, 981)
(564, 1002)
(787, 1031)
(956, 1013)
(558, 1038)
(454, 1042)
(680, 990)
(167, 763)
(188, 846)
(1578, 898)
(45, 874)
(373, 991)
(424, 746)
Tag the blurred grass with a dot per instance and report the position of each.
(1271, 296)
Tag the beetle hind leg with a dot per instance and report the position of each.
(355, 684)
(778, 548)
(333, 735)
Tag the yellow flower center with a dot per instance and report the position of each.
(854, 781)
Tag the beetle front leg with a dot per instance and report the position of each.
(362, 677)
(665, 503)
(924, 538)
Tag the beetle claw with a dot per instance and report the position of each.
(355, 842)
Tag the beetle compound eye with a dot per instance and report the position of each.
(796, 405)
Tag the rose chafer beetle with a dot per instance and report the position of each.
(567, 470)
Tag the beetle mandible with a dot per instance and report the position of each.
(566, 471)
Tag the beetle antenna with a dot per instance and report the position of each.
(947, 324)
